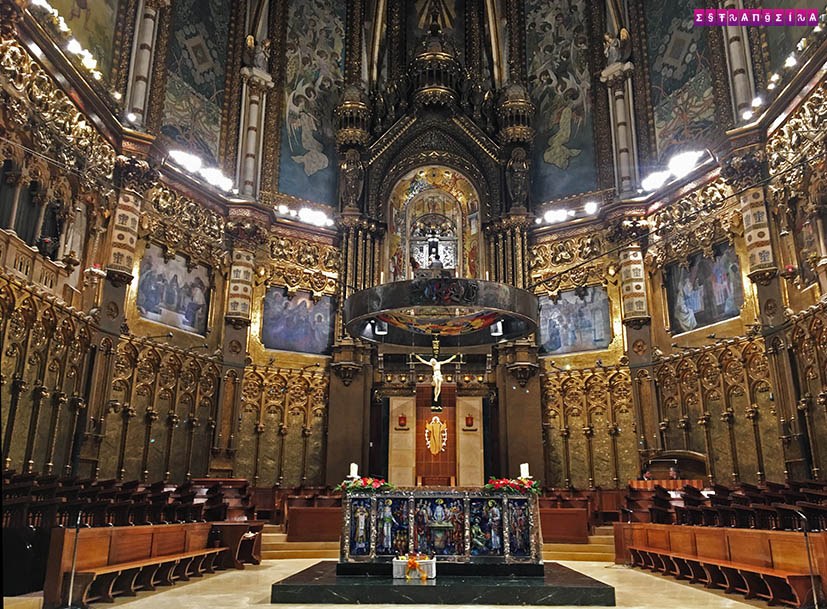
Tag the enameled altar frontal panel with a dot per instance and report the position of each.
(454, 526)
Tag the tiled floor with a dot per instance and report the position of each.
(251, 588)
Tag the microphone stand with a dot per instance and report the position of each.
(69, 604)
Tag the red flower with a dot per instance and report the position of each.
(376, 484)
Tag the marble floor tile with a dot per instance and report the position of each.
(250, 588)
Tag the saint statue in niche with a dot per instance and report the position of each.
(517, 177)
(353, 177)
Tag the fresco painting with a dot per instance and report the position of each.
(297, 323)
(680, 74)
(196, 62)
(579, 320)
(560, 85)
(313, 81)
(705, 291)
(93, 25)
(172, 294)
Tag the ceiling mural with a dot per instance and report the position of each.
(561, 89)
(680, 73)
(196, 67)
(313, 83)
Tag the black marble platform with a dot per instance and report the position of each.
(479, 569)
(558, 586)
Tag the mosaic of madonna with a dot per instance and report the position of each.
(705, 291)
(681, 76)
(196, 63)
(560, 85)
(313, 81)
(297, 323)
(579, 320)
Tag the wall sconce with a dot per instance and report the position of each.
(449, 378)
(389, 378)
(403, 420)
(403, 378)
(480, 378)
(420, 378)
(466, 378)
(469, 421)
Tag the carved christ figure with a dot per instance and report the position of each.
(436, 365)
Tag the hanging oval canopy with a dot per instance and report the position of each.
(457, 311)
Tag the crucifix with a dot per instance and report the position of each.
(436, 366)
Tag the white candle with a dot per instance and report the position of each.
(486, 275)
(354, 470)
(381, 277)
(524, 470)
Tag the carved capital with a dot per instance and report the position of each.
(704, 419)
(134, 174)
(636, 323)
(763, 276)
(743, 170)
(522, 371)
(346, 371)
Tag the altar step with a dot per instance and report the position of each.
(274, 544)
(599, 548)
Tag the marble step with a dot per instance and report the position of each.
(291, 553)
(602, 539)
(300, 545)
(589, 556)
(33, 600)
(579, 547)
(270, 537)
(272, 528)
(604, 530)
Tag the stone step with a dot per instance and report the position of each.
(579, 547)
(265, 537)
(272, 528)
(604, 530)
(32, 600)
(300, 545)
(603, 539)
(316, 553)
(591, 556)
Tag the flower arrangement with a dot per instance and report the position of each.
(365, 485)
(513, 486)
(412, 559)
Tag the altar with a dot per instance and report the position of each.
(461, 528)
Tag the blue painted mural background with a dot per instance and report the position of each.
(680, 76)
(196, 63)
(313, 79)
(560, 87)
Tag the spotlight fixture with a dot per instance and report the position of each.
(746, 115)
(790, 61)
(497, 328)
(683, 163)
(655, 180)
(380, 328)
(590, 208)
(131, 117)
(757, 101)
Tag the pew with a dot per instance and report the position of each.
(114, 561)
(770, 565)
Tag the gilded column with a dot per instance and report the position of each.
(240, 294)
(141, 73)
(635, 308)
(509, 256)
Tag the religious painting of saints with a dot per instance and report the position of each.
(519, 530)
(705, 291)
(297, 323)
(579, 320)
(360, 526)
(486, 527)
(391, 527)
(172, 293)
(439, 526)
